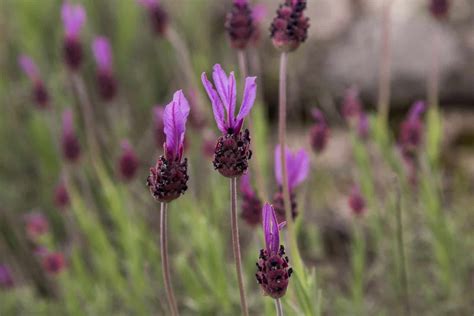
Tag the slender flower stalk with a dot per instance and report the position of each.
(168, 179)
(164, 258)
(233, 147)
(279, 308)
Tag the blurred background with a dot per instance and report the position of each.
(108, 235)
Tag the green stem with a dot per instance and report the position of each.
(279, 308)
(236, 244)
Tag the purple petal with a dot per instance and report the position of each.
(232, 99)
(73, 17)
(250, 92)
(278, 171)
(270, 229)
(298, 168)
(67, 122)
(222, 86)
(28, 67)
(102, 53)
(259, 12)
(217, 107)
(174, 120)
(318, 116)
(416, 110)
(245, 186)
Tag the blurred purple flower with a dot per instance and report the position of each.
(40, 94)
(158, 16)
(319, 133)
(69, 142)
(128, 162)
(411, 130)
(54, 262)
(209, 144)
(297, 166)
(251, 204)
(363, 126)
(290, 27)
(105, 77)
(439, 8)
(259, 12)
(168, 179)
(273, 271)
(74, 17)
(356, 201)
(36, 225)
(239, 24)
(197, 118)
(351, 106)
(6, 277)
(233, 148)
(61, 195)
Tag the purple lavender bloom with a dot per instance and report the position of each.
(239, 24)
(74, 17)
(168, 179)
(6, 277)
(105, 77)
(439, 8)
(356, 201)
(36, 225)
(319, 133)
(411, 130)
(273, 271)
(290, 27)
(158, 16)
(259, 12)
(363, 126)
(351, 106)
(297, 166)
(62, 199)
(233, 148)
(128, 162)
(69, 142)
(54, 262)
(251, 204)
(40, 94)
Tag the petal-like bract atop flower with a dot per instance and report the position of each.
(223, 99)
(297, 166)
(28, 67)
(271, 229)
(74, 17)
(102, 53)
(174, 120)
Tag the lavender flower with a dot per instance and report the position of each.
(251, 204)
(61, 195)
(6, 277)
(69, 142)
(439, 8)
(54, 262)
(168, 179)
(290, 27)
(273, 271)
(351, 106)
(259, 11)
(297, 166)
(105, 77)
(40, 94)
(239, 24)
(128, 162)
(233, 147)
(36, 225)
(356, 201)
(411, 130)
(363, 126)
(74, 17)
(158, 16)
(319, 133)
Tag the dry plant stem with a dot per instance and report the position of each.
(236, 244)
(433, 77)
(255, 166)
(282, 140)
(279, 308)
(385, 65)
(401, 252)
(164, 258)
